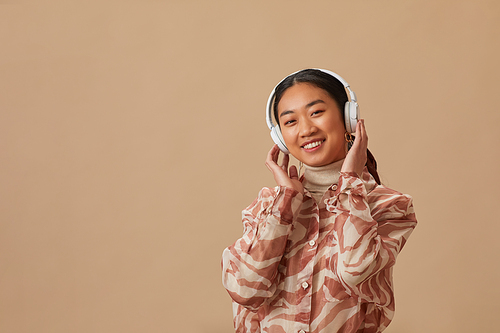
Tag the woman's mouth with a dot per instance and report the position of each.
(312, 145)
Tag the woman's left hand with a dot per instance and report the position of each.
(356, 157)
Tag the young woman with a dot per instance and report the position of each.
(318, 250)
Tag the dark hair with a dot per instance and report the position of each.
(334, 88)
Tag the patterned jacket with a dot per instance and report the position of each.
(327, 267)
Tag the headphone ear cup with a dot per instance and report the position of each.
(278, 139)
(351, 116)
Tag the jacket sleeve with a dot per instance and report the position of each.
(371, 231)
(250, 265)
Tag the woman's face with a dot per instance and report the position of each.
(311, 125)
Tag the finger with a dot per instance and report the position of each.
(273, 154)
(294, 174)
(358, 129)
(272, 163)
(364, 136)
(272, 157)
(284, 165)
(360, 138)
(357, 137)
(272, 150)
(274, 168)
(363, 130)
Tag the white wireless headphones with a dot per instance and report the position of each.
(351, 111)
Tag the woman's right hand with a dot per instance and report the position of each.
(283, 175)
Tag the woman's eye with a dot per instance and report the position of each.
(289, 122)
(317, 112)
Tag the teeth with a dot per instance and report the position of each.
(312, 144)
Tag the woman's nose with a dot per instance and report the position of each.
(307, 128)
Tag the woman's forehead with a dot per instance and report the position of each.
(303, 94)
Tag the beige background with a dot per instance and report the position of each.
(132, 134)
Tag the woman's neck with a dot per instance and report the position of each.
(318, 179)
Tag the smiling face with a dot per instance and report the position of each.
(311, 125)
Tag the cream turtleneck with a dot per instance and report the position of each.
(318, 179)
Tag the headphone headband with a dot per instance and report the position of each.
(351, 109)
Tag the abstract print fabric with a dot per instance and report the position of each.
(307, 267)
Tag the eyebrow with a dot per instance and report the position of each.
(284, 113)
